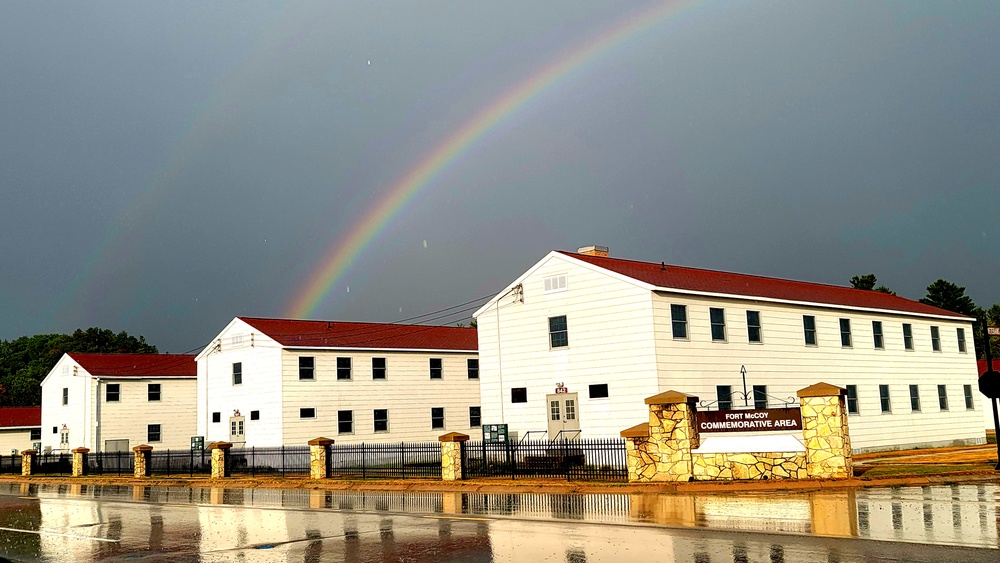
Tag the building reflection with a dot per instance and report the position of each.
(221, 524)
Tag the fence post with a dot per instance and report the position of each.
(140, 467)
(27, 458)
(80, 461)
(451, 455)
(319, 451)
(220, 459)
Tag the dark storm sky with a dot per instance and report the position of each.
(167, 166)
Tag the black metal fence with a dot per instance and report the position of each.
(10, 464)
(590, 460)
(253, 461)
(396, 460)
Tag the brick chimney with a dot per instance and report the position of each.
(593, 250)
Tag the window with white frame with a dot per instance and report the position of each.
(307, 412)
(809, 329)
(378, 368)
(679, 321)
(475, 417)
(153, 392)
(845, 333)
(717, 317)
(343, 368)
(969, 403)
(307, 368)
(437, 417)
(852, 400)
(436, 368)
(915, 398)
(754, 333)
(381, 420)
(153, 433)
(724, 396)
(879, 341)
(345, 422)
(237, 373)
(943, 397)
(558, 332)
(885, 401)
(760, 397)
(65, 395)
(113, 393)
(907, 336)
(555, 283)
(935, 339)
(961, 339)
(472, 366)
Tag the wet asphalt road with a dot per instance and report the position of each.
(88, 523)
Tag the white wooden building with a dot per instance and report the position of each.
(114, 402)
(581, 339)
(20, 429)
(273, 382)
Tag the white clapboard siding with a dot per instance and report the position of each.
(610, 333)
(15, 439)
(408, 393)
(260, 358)
(73, 415)
(620, 333)
(130, 416)
(785, 364)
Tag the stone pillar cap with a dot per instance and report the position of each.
(220, 445)
(671, 398)
(143, 448)
(453, 437)
(29, 452)
(821, 390)
(81, 450)
(321, 441)
(637, 431)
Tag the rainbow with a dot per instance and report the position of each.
(336, 262)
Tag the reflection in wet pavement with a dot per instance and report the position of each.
(97, 523)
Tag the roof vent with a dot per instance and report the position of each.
(593, 250)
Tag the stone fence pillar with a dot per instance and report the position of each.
(27, 461)
(825, 432)
(80, 461)
(660, 450)
(140, 467)
(220, 459)
(451, 455)
(319, 454)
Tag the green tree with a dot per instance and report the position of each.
(865, 281)
(992, 317)
(868, 281)
(25, 361)
(950, 297)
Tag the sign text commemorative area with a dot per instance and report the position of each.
(749, 421)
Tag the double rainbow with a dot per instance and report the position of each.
(345, 250)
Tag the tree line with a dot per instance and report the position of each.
(951, 297)
(25, 361)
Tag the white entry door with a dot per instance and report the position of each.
(237, 431)
(563, 415)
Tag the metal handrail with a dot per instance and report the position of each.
(561, 432)
(529, 433)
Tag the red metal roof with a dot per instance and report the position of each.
(11, 417)
(337, 334)
(137, 365)
(744, 285)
